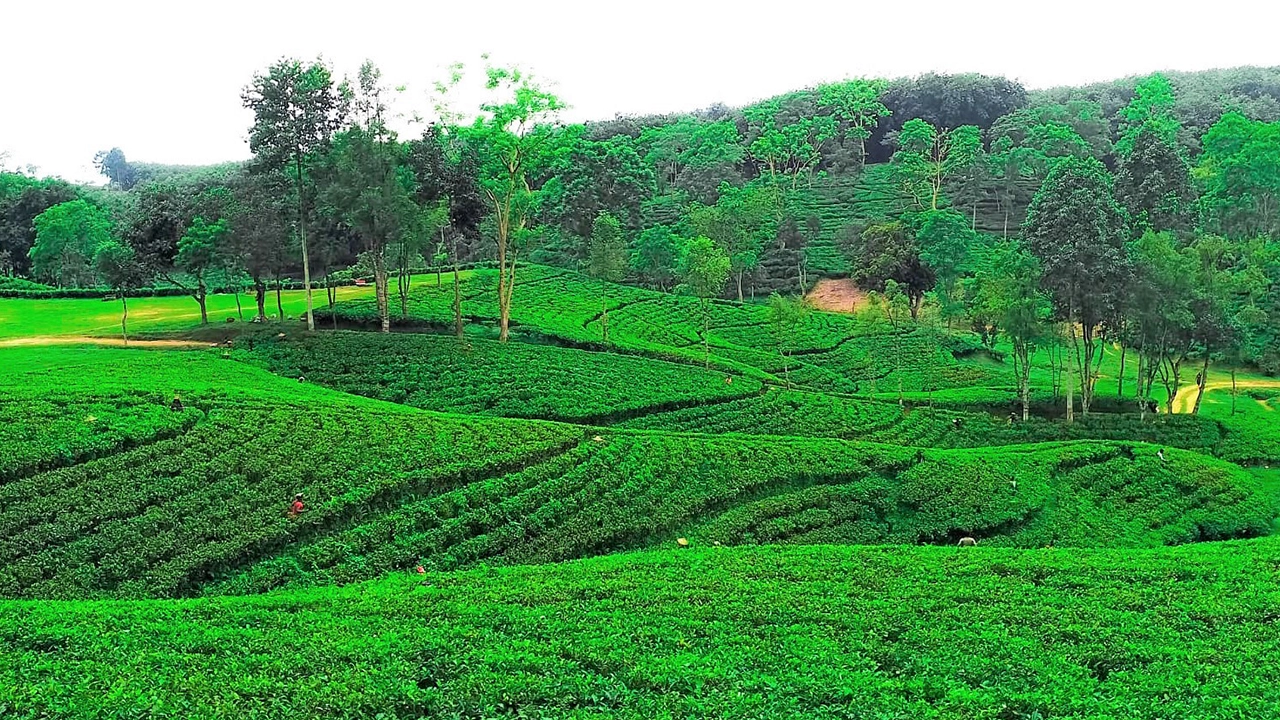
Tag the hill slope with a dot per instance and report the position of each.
(199, 507)
(817, 632)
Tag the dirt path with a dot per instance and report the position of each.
(82, 340)
(833, 295)
(1185, 400)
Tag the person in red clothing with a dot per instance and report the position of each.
(297, 507)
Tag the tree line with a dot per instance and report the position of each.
(1141, 213)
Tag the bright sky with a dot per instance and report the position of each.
(162, 80)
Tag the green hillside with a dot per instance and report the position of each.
(764, 632)
(197, 504)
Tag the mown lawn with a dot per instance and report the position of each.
(20, 317)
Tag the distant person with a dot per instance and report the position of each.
(297, 507)
(967, 542)
(1013, 416)
(1160, 454)
(956, 423)
(176, 405)
(728, 379)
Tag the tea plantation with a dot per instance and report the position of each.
(561, 527)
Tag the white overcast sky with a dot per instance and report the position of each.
(162, 80)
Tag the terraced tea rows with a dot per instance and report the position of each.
(934, 633)
(390, 487)
(486, 378)
(830, 352)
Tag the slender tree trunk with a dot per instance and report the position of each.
(124, 319)
(260, 294)
(706, 332)
(1204, 380)
(457, 293)
(604, 312)
(1233, 391)
(381, 291)
(1070, 386)
(1120, 376)
(740, 298)
(201, 295)
(239, 310)
(331, 295)
(279, 302)
(302, 235)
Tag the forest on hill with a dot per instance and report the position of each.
(1142, 212)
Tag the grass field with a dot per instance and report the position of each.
(20, 318)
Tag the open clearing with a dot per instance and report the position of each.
(836, 295)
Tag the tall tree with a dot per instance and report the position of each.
(1006, 299)
(654, 253)
(511, 142)
(67, 236)
(786, 315)
(927, 158)
(198, 253)
(856, 106)
(113, 166)
(368, 185)
(297, 108)
(704, 269)
(1153, 183)
(118, 266)
(742, 222)
(1240, 173)
(1076, 229)
(947, 245)
(607, 262)
(259, 235)
(888, 251)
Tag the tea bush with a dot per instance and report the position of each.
(487, 378)
(762, 632)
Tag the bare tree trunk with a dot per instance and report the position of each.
(1070, 385)
(260, 294)
(457, 293)
(706, 331)
(1120, 376)
(124, 319)
(279, 302)
(740, 298)
(306, 260)
(1204, 380)
(381, 291)
(1233, 391)
(201, 294)
(331, 295)
(239, 310)
(604, 312)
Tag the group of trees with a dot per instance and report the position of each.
(1135, 243)
(1140, 222)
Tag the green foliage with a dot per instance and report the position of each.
(484, 378)
(935, 633)
(1152, 109)
(1240, 173)
(67, 236)
(607, 258)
